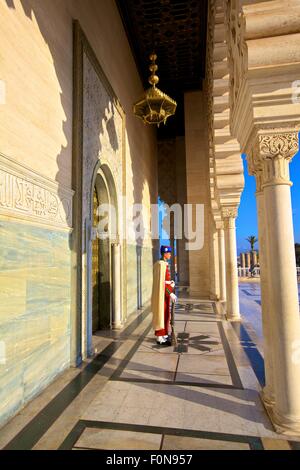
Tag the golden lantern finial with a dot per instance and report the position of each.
(155, 106)
(153, 79)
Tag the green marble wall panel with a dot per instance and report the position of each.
(35, 272)
(11, 391)
(132, 276)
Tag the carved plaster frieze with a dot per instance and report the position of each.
(237, 48)
(263, 70)
(27, 195)
(103, 125)
(223, 147)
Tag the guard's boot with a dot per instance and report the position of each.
(162, 341)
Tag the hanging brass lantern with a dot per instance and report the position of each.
(155, 106)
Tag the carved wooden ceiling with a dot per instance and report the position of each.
(176, 30)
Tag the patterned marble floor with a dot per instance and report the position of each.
(202, 394)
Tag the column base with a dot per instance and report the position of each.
(117, 326)
(268, 401)
(288, 426)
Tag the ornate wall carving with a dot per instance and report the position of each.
(24, 194)
(102, 133)
(237, 49)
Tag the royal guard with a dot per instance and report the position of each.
(162, 296)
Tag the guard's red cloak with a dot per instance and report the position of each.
(161, 298)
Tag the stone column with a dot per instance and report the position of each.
(214, 262)
(248, 260)
(116, 286)
(254, 258)
(275, 150)
(242, 260)
(255, 169)
(222, 264)
(243, 264)
(232, 284)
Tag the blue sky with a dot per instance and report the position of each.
(247, 221)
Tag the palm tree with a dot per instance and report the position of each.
(252, 240)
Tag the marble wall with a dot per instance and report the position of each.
(34, 311)
(36, 119)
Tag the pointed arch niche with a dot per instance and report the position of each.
(99, 163)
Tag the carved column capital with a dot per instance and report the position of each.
(229, 215)
(229, 212)
(275, 151)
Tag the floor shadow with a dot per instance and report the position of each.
(241, 403)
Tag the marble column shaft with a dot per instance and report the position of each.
(232, 286)
(214, 263)
(255, 169)
(266, 302)
(222, 264)
(248, 260)
(275, 152)
(242, 260)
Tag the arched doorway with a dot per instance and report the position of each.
(104, 258)
(101, 261)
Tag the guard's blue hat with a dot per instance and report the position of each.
(165, 249)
